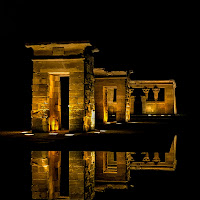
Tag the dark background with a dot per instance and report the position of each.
(155, 40)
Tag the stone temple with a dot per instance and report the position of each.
(71, 96)
(91, 92)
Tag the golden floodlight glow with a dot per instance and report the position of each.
(24, 132)
(54, 125)
(29, 134)
(68, 134)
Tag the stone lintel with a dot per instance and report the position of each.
(142, 83)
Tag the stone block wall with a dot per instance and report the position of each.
(46, 175)
(81, 175)
(51, 62)
(118, 106)
(170, 157)
(89, 157)
(40, 105)
(46, 111)
(76, 175)
(170, 99)
(40, 175)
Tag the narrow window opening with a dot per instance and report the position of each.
(138, 101)
(115, 95)
(115, 156)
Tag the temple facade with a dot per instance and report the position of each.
(71, 64)
(69, 94)
(113, 94)
(118, 98)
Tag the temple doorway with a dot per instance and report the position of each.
(64, 84)
(138, 101)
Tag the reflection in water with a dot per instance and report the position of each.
(88, 174)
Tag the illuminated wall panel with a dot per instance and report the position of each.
(104, 91)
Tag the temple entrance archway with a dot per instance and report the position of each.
(64, 87)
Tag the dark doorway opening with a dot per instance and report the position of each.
(64, 176)
(138, 101)
(138, 106)
(64, 84)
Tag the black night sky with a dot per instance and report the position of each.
(153, 40)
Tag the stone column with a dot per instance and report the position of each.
(146, 157)
(156, 158)
(146, 92)
(156, 91)
(40, 174)
(131, 156)
(128, 104)
(144, 99)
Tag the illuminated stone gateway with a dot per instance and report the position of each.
(51, 63)
(69, 94)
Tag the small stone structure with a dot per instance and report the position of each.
(165, 106)
(110, 94)
(118, 96)
(52, 61)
